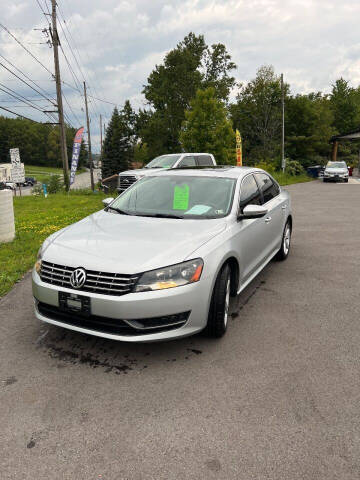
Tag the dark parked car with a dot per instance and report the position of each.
(30, 181)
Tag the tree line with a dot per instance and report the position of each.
(39, 143)
(195, 104)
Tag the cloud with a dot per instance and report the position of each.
(118, 43)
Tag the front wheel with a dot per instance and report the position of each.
(219, 306)
(283, 253)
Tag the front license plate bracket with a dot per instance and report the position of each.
(74, 303)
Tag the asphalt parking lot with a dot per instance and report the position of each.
(277, 398)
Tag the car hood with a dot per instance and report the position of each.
(110, 242)
(336, 170)
(142, 171)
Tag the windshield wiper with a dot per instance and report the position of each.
(162, 215)
(122, 212)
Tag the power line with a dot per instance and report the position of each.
(77, 50)
(22, 116)
(75, 78)
(26, 49)
(41, 7)
(18, 96)
(72, 111)
(105, 101)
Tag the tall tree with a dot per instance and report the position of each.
(207, 129)
(38, 142)
(343, 103)
(308, 120)
(257, 114)
(117, 146)
(171, 86)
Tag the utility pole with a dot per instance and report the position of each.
(63, 147)
(101, 146)
(89, 141)
(283, 125)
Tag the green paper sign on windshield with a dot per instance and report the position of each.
(181, 197)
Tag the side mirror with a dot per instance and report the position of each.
(254, 211)
(107, 201)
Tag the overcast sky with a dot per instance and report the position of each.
(312, 42)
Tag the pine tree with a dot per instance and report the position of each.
(117, 146)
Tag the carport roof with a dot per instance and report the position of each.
(353, 135)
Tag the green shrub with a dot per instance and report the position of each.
(293, 167)
(267, 166)
(55, 184)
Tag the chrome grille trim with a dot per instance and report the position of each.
(96, 282)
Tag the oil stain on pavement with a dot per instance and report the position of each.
(70, 348)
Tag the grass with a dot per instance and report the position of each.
(35, 219)
(285, 179)
(42, 174)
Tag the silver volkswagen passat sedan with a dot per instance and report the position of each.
(162, 260)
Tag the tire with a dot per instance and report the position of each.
(219, 306)
(284, 251)
(324, 180)
(346, 180)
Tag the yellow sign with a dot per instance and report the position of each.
(238, 149)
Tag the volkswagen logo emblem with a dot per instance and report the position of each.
(77, 278)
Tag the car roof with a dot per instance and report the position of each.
(225, 171)
(183, 153)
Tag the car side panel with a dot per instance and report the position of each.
(273, 224)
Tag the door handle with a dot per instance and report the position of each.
(267, 219)
(283, 207)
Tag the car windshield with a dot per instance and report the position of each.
(336, 165)
(164, 161)
(175, 196)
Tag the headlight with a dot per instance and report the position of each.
(170, 277)
(37, 265)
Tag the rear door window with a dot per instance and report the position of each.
(249, 192)
(188, 161)
(204, 160)
(268, 188)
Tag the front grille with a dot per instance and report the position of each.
(125, 181)
(112, 325)
(96, 282)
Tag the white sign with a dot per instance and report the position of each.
(17, 170)
(15, 157)
(18, 175)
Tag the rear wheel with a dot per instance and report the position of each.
(219, 306)
(283, 253)
(346, 180)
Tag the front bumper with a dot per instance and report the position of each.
(336, 177)
(193, 298)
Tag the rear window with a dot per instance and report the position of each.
(268, 188)
(204, 160)
(188, 161)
